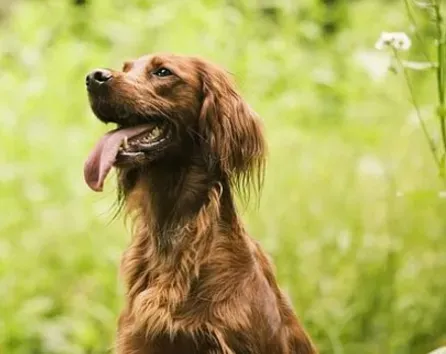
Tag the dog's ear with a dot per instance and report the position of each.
(232, 131)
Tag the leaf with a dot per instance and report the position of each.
(418, 65)
(424, 4)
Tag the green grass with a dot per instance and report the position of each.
(350, 210)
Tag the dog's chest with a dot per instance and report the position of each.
(184, 344)
(207, 343)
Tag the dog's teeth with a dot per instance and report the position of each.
(155, 132)
(125, 143)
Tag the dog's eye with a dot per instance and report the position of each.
(162, 72)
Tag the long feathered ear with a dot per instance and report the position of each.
(232, 131)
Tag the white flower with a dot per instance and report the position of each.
(395, 40)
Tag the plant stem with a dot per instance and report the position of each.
(432, 146)
(415, 25)
(440, 70)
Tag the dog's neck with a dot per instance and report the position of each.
(170, 195)
(180, 212)
(184, 225)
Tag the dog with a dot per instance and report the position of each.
(185, 144)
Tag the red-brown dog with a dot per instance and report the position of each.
(196, 282)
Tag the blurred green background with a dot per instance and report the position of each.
(350, 211)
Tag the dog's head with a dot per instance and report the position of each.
(172, 106)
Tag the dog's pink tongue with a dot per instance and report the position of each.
(103, 156)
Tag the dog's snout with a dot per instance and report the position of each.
(97, 77)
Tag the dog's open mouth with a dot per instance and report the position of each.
(122, 146)
(145, 141)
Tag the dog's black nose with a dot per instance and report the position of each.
(98, 76)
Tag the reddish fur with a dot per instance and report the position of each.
(196, 282)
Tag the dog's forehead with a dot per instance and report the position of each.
(183, 66)
(142, 61)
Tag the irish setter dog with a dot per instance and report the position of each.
(185, 142)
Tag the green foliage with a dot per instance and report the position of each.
(350, 211)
